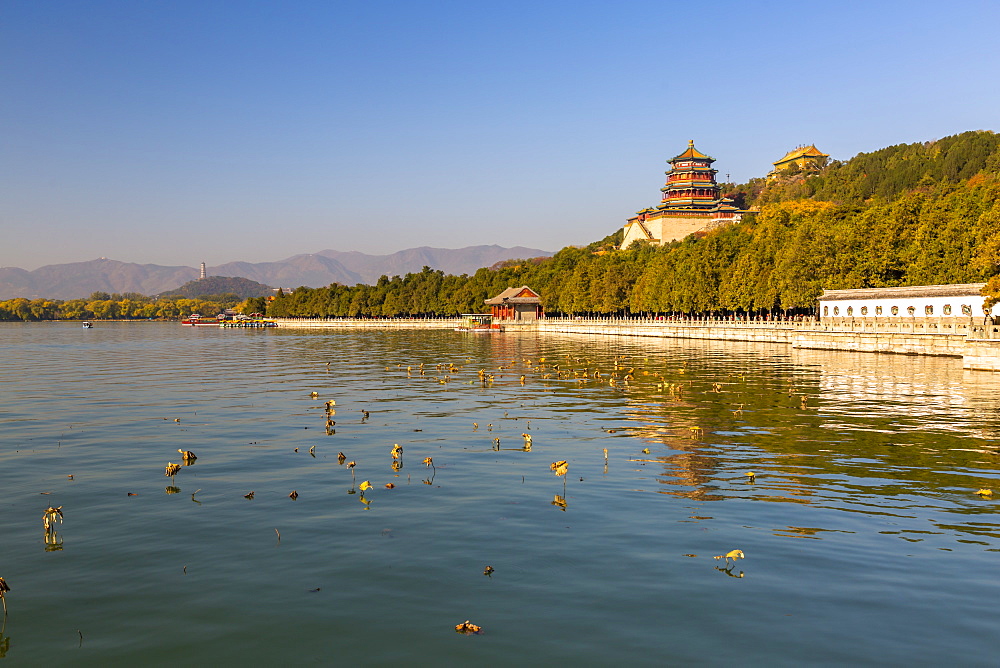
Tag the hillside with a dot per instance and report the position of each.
(242, 288)
(886, 173)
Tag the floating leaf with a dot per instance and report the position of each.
(468, 628)
(559, 468)
(365, 486)
(389, 485)
(4, 588)
(732, 554)
(428, 461)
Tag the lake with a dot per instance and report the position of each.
(864, 538)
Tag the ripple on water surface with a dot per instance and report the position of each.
(863, 535)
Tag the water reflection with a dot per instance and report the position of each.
(53, 541)
(728, 570)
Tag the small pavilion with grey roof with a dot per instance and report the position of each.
(521, 303)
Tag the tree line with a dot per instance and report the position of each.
(104, 306)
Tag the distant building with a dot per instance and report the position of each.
(806, 158)
(521, 303)
(691, 202)
(203, 274)
(916, 304)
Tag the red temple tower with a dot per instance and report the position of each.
(691, 181)
(691, 203)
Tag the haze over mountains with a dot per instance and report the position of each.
(80, 279)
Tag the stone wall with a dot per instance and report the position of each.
(981, 355)
(978, 346)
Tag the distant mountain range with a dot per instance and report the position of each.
(80, 279)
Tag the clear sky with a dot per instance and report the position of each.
(182, 131)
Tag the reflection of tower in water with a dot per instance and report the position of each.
(690, 469)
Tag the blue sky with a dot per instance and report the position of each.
(177, 132)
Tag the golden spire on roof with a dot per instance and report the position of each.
(692, 152)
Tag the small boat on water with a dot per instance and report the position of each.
(196, 320)
(479, 323)
(88, 325)
(226, 320)
(252, 323)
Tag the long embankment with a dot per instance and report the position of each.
(977, 345)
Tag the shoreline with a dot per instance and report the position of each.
(964, 340)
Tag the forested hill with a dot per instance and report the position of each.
(886, 173)
(913, 214)
(241, 288)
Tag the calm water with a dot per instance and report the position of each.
(864, 537)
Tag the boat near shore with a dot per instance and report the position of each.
(195, 320)
(251, 323)
(479, 323)
(254, 321)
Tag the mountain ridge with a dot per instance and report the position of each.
(74, 280)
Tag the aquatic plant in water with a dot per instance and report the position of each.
(4, 588)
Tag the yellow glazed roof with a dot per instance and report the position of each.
(802, 152)
(692, 152)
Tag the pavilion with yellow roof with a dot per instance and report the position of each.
(806, 158)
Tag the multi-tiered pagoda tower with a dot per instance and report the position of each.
(691, 181)
(691, 203)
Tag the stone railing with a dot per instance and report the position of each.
(964, 327)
